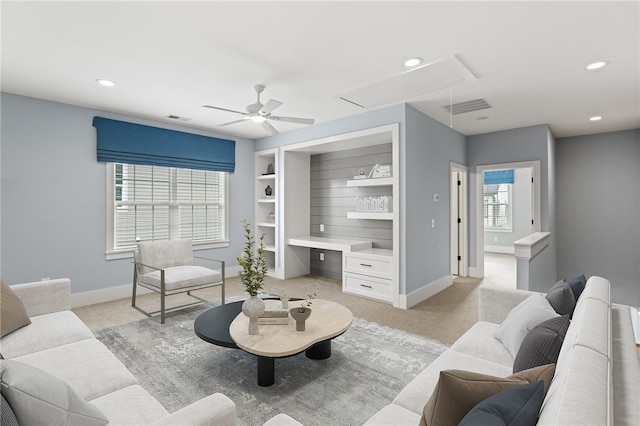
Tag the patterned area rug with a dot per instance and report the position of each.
(369, 365)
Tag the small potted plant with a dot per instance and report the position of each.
(302, 312)
(253, 270)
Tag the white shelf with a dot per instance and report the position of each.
(270, 248)
(374, 216)
(267, 225)
(371, 182)
(267, 200)
(267, 177)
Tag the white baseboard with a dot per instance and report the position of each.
(499, 249)
(475, 272)
(425, 292)
(122, 291)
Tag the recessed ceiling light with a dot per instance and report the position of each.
(412, 62)
(106, 83)
(595, 118)
(596, 65)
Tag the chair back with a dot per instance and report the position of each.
(163, 254)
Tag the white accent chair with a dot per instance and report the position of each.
(167, 267)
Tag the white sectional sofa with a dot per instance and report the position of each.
(60, 344)
(597, 374)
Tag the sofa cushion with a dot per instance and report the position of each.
(519, 406)
(542, 345)
(479, 341)
(46, 331)
(415, 395)
(13, 314)
(577, 285)
(561, 298)
(457, 392)
(521, 320)
(40, 398)
(87, 366)
(131, 405)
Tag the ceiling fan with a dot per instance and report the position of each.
(260, 113)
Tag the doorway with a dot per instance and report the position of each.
(498, 226)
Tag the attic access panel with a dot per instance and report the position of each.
(418, 81)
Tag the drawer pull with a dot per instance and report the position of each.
(365, 285)
(366, 264)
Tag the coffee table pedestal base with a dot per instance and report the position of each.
(266, 365)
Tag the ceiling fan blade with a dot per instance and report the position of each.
(269, 128)
(293, 119)
(232, 122)
(270, 106)
(223, 109)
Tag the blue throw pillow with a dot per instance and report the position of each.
(517, 406)
(577, 285)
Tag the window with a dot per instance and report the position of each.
(148, 203)
(497, 206)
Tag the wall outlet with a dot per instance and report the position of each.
(321, 230)
(433, 223)
(495, 239)
(322, 257)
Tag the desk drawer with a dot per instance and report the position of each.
(367, 286)
(378, 266)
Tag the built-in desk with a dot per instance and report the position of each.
(325, 243)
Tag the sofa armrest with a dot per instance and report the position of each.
(216, 409)
(495, 303)
(45, 297)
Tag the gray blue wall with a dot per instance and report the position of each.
(598, 193)
(54, 200)
(429, 149)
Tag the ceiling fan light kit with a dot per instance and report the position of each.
(259, 113)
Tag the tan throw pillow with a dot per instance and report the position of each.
(13, 314)
(457, 392)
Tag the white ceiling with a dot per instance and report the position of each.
(170, 58)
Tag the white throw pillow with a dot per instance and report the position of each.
(522, 319)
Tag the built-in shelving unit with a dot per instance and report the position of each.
(368, 271)
(266, 206)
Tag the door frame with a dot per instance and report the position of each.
(459, 235)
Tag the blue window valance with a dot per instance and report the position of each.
(122, 142)
(496, 177)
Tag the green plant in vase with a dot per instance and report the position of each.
(253, 264)
(253, 270)
(306, 304)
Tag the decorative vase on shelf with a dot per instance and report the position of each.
(300, 317)
(253, 307)
(268, 191)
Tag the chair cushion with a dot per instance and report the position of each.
(39, 398)
(457, 392)
(164, 254)
(519, 406)
(13, 313)
(521, 320)
(542, 345)
(561, 298)
(181, 278)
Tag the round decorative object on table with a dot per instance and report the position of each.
(253, 307)
(300, 317)
(268, 191)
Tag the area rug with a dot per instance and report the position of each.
(369, 365)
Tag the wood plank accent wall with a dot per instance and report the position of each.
(331, 199)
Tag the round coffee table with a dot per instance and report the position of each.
(226, 326)
(327, 321)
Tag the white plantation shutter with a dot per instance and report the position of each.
(162, 203)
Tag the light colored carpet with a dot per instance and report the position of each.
(370, 364)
